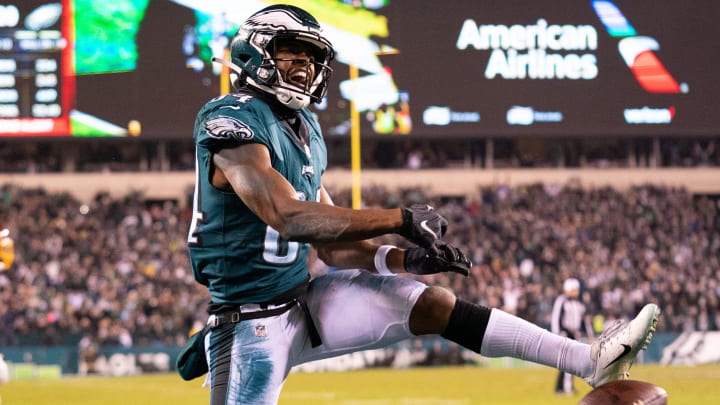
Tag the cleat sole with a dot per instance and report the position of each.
(653, 327)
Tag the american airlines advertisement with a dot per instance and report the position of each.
(426, 68)
(592, 67)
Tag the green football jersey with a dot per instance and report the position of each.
(232, 251)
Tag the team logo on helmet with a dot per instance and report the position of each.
(227, 128)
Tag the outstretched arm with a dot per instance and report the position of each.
(358, 255)
(415, 260)
(248, 170)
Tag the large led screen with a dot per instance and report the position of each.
(425, 68)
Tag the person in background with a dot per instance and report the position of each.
(569, 318)
(7, 250)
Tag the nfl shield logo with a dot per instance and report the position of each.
(260, 331)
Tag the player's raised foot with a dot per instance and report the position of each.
(615, 350)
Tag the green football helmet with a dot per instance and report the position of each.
(252, 53)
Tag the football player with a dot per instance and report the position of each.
(259, 205)
(569, 319)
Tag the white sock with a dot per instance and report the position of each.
(509, 336)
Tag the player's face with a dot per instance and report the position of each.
(296, 63)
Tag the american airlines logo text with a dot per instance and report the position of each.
(647, 115)
(538, 51)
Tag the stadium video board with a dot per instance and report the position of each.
(47, 49)
(426, 68)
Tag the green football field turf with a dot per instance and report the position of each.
(420, 386)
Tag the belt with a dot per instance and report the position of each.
(255, 311)
(249, 311)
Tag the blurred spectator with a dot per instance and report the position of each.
(703, 155)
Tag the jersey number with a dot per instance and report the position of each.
(276, 250)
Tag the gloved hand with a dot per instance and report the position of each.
(422, 226)
(448, 258)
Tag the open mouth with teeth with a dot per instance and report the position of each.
(299, 78)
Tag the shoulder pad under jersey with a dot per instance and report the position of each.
(228, 120)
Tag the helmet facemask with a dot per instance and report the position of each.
(300, 93)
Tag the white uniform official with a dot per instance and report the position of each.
(569, 319)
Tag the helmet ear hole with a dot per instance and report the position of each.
(265, 75)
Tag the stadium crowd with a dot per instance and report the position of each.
(116, 272)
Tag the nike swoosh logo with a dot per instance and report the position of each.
(423, 225)
(626, 350)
